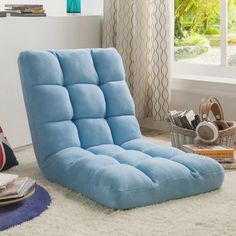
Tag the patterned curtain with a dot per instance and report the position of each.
(139, 30)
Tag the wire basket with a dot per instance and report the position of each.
(180, 136)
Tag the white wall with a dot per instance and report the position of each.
(18, 34)
(186, 94)
(92, 7)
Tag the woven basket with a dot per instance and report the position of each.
(180, 136)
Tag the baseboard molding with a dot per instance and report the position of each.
(22, 148)
(149, 123)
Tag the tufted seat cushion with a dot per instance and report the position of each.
(86, 136)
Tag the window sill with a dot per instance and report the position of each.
(200, 78)
(207, 85)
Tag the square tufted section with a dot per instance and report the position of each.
(94, 132)
(87, 138)
(52, 96)
(75, 65)
(118, 99)
(121, 125)
(88, 101)
(108, 65)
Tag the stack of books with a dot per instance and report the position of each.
(14, 187)
(224, 155)
(25, 10)
(3, 14)
(184, 119)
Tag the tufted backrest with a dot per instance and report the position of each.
(76, 98)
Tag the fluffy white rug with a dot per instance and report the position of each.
(72, 214)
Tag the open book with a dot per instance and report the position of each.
(17, 188)
(5, 179)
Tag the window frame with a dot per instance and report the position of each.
(221, 70)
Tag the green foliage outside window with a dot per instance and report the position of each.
(197, 24)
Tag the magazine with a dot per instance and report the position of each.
(5, 179)
(17, 189)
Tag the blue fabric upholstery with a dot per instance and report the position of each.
(86, 136)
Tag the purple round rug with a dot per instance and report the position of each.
(25, 210)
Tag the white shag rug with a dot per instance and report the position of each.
(72, 214)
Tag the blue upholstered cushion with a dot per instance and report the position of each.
(86, 136)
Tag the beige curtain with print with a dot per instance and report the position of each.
(139, 30)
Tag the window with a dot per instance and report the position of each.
(205, 33)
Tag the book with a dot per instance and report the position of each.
(229, 166)
(27, 14)
(224, 160)
(196, 121)
(173, 116)
(190, 116)
(184, 119)
(17, 189)
(25, 10)
(14, 187)
(220, 153)
(177, 120)
(5, 179)
(23, 6)
(3, 14)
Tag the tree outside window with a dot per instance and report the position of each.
(198, 34)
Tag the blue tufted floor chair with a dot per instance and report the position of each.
(86, 137)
